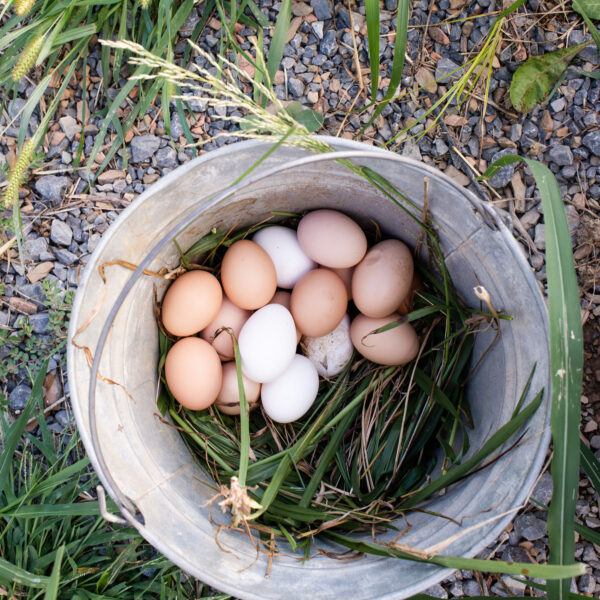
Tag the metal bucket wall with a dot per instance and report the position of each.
(149, 462)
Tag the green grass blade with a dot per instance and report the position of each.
(566, 365)
(591, 465)
(372, 14)
(550, 572)
(15, 431)
(583, 8)
(278, 41)
(589, 534)
(52, 589)
(495, 441)
(10, 572)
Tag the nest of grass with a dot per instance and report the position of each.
(368, 449)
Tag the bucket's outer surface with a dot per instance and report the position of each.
(149, 461)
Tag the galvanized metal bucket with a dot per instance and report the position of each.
(144, 463)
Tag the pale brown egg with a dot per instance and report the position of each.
(319, 302)
(383, 278)
(284, 299)
(407, 304)
(228, 400)
(229, 315)
(248, 275)
(193, 372)
(396, 346)
(331, 239)
(191, 303)
(346, 277)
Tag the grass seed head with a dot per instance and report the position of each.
(22, 7)
(17, 175)
(28, 58)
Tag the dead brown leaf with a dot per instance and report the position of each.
(437, 35)
(455, 120)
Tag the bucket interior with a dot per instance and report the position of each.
(149, 460)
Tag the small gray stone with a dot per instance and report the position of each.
(143, 147)
(561, 155)
(65, 257)
(540, 236)
(317, 27)
(328, 45)
(17, 399)
(166, 157)
(14, 108)
(543, 490)
(40, 322)
(176, 127)
(456, 589)
(444, 67)
(69, 125)
(591, 141)
(189, 24)
(589, 554)
(516, 130)
(321, 9)
(411, 149)
(437, 591)
(295, 87)
(595, 442)
(530, 527)
(391, 5)
(558, 104)
(587, 584)
(62, 418)
(504, 175)
(440, 147)
(530, 218)
(52, 187)
(35, 247)
(471, 588)
(60, 233)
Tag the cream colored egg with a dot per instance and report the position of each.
(382, 279)
(332, 239)
(228, 400)
(231, 316)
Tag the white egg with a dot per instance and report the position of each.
(330, 353)
(267, 343)
(281, 244)
(293, 392)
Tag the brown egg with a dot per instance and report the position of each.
(228, 401)
(248, 275)
(229, 315)
(396, 346)
(319, 302)
(284, 299)
(407, 304)
(383, 278)
(191, 303)
(331, 239)
(193, 372)
(346, 277)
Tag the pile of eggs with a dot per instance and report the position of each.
(319, 268)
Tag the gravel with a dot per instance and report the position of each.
(17, 399)
(61, 233)
(321, 9)
(529, 527)
(52, 187)
(561, 155)
(143, 147)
